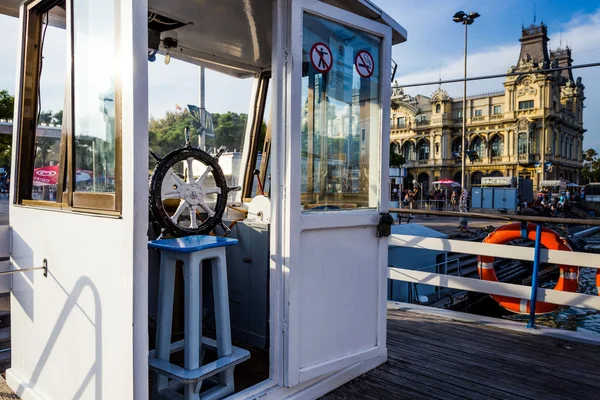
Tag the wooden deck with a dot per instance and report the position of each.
(431, 357)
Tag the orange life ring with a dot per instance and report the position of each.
(567, 281)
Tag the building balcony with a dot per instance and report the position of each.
(423, 123)
(496, 117)
(526, 158)
(480, 118)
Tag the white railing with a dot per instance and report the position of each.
(497, 288)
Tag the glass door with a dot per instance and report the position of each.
(338, 127)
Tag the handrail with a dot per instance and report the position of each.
(536, 254)
(503, 217)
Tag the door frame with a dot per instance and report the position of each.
(296, 221)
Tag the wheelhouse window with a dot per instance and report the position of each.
(339, 168)
(69, 125)
(525, 105)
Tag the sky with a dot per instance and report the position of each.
(434, 49)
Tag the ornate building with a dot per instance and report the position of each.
(532, 129)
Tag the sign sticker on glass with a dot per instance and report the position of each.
(364, 64)
(321, 57)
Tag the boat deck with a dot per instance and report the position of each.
(434, 357)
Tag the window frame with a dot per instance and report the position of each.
(67, 199)
(479, 112)
(524, 103)
(497, 110)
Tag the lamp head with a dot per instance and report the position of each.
(458, 17)
(414, 181)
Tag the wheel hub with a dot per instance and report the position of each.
(193, 194)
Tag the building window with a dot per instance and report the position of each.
(423, 150)
(401, 122)
(525, 105)
(476, 178)
(459, 114)
(457, 146)
(478, 146)
(497, 110)
(522, 143)
(478, 113)
(497, 146)
(408, 151)
(438, 108)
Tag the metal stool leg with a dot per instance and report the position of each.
(193, 320)
(223, 327)
(164, 318)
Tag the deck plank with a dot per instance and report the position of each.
(432, 357)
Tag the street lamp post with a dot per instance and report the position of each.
(466, 19)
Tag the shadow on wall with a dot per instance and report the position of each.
(22, 287)
(71, 303)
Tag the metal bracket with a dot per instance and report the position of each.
(44, 267)
(384, 228)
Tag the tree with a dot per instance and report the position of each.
(166, 133)
(57, 118)
(45, 117)
(7, 106)
(396, 159)
(229, 130)
(591, 166)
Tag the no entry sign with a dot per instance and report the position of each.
(364, 64)
(321, 57)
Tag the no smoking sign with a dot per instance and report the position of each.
(364, 64)
(321, 57)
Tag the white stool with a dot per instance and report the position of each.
(193, 250)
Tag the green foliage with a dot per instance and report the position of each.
(57, 118)
(166, 133)
(229, 130)
(45, 117)
(396, 159)
(7, 106)
(591, 166)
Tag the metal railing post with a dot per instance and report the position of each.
(534, 277)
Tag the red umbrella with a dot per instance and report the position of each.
(447, 181)
(45, 175)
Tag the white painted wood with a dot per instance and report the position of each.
(322, 260)
(82, 331)
(278, 234)
(588, 260)
(498, 288)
